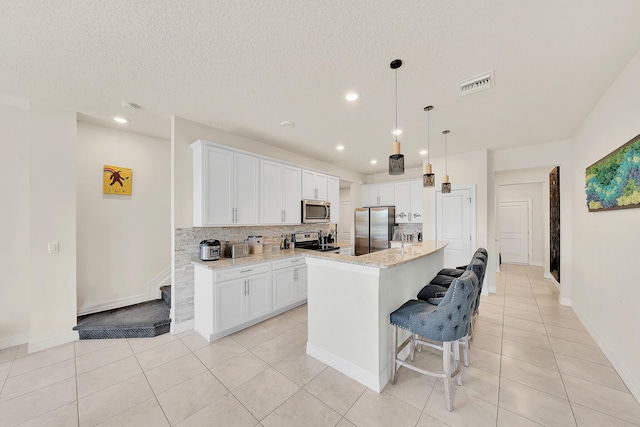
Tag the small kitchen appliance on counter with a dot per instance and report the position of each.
(210, 250)
(236, 250)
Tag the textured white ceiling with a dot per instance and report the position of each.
(244, 66)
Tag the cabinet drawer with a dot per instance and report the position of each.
(288, 262)
(244, 271)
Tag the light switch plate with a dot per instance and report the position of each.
(53, 247)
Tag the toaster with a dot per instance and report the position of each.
(236, 250)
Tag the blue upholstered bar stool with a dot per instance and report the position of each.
(478, 266)
(447, 322)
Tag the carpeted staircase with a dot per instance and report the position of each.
(147, 319)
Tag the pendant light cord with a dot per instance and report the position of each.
(396, 129)
(428, 127)
(446, 156)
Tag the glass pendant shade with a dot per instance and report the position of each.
(429, 178)
(446, 185)
(396, 160)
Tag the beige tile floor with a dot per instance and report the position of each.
(532, 363)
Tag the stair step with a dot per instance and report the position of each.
(147, 319)
(166, 294)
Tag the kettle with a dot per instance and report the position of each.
(210, 250)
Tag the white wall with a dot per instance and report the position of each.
(14, 225)
(606, 291)
(535, 156)
(124, 242)
(52, 198)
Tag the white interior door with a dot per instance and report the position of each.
(513, 231)
(454, 225)
(346, 222)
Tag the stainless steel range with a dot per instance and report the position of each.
(312, 241)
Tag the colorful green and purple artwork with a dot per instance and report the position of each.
(614, 181)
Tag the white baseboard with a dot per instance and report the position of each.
(565, 301)
(627, 376)
(52, 341)
(177, 328)
(374, 382)
(117, 303)
(153, 292)
(536, 263)
(162, 279)
(14, 340)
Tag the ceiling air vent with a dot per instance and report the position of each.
(475, 84)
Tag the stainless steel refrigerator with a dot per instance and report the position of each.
(374, 228)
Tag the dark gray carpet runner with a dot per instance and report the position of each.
(147, 319)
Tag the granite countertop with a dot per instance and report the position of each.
(388, 258)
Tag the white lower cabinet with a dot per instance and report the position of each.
(229, 299)
(225, 300)
(289, 278)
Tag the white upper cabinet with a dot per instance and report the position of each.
(281, 186)
(408, 201)
(417, 201)
(403, 201)
(314, 185)
(225, 186)
(333, 196)
(378, 194)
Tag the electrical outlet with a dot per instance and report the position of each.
(53, 247)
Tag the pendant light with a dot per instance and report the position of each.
(429, 178)
(396, 160)
(446, 185)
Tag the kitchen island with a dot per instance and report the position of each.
(349, 302)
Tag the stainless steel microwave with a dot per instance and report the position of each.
(315, 211)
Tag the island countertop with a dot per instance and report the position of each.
(387, 258)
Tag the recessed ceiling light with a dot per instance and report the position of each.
(423, 152)
(121, 120)
(339, 147)
(352, 96)
(374, 162)
(397, 131)
(287, 124)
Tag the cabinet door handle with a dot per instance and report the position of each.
(246, 271)
(248, 288)
(295, 274)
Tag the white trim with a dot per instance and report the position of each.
(52, 341)
(355, 372)
(627, 376)
(553, 280)
(153, 293)
(14, 340)
(154, 285)
(177, 328)
(536, 263)
(566, 301)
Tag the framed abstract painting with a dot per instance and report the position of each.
(613, 182)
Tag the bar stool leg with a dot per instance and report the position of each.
(394, 352)
(412, 347)
(465, 350)
(456, 359)
(446, 366)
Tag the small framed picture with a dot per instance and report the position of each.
(116, 180)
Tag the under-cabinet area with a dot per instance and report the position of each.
(229, 299)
